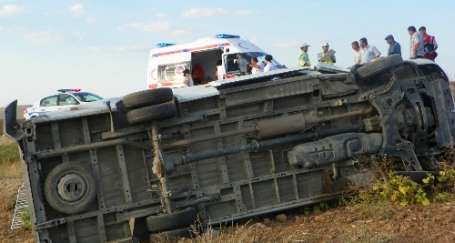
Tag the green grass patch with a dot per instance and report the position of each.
(26, 218)
(1, 127)
(9, 153)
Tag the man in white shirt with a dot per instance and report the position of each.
(219, 70)
(357, 53)
(368, 52)
(256, 66)
(187, 80)
(417, 45)
(269, 66)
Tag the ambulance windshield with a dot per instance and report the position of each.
(239, 62)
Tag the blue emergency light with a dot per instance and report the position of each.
(227, 36)
(163, 44)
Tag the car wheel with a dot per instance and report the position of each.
(69, 188)
(153, 112)
(170, 222)
(377, 66)
(147, 97)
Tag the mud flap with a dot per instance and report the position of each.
(408, 156)
(140, 231)
(10, 124)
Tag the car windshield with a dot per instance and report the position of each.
(239, 62)
(87, 97)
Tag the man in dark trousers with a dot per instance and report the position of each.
(429, 44)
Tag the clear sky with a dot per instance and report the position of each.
(102, 46)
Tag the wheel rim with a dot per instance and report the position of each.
(71, 187)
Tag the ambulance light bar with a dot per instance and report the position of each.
(227, 36)
(163, 44)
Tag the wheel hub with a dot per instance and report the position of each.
(71, 187)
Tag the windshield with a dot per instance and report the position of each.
(239, 62)
(87, 97)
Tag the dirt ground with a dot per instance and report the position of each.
(359, 223)
(375, 223)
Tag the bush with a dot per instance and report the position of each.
(26, 218)
(445, 180)
(402, 190)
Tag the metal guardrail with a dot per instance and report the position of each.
(21, 205)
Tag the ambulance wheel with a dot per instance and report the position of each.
(153, 112)
(147, 97)
(69, 188)
(170, 222)
(375, 67)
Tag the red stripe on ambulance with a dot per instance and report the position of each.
(192, 49)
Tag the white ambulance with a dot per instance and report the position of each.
(223, 56)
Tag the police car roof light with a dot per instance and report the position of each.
(227, 36)
(68, 90)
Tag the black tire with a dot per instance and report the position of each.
(147, 97)
(149, 113)
(170, 222)
(377, 66)
(69, 180)
(140, 231)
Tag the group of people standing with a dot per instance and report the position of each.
(422, 45)
(327, 55)
(264, 66)
(364, 52)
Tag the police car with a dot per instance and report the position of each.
(64, 100)
(223, 56)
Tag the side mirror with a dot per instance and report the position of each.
(10, 125)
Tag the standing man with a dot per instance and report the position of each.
(357, 53)
(394, 47)
(327, 55)
(220, 70)
(416, 43)
(304, 59)
(269, 65)
(369, 52)
(256, 67)
(187, 80)
(429, 44)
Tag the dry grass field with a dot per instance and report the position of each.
(10, 180)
